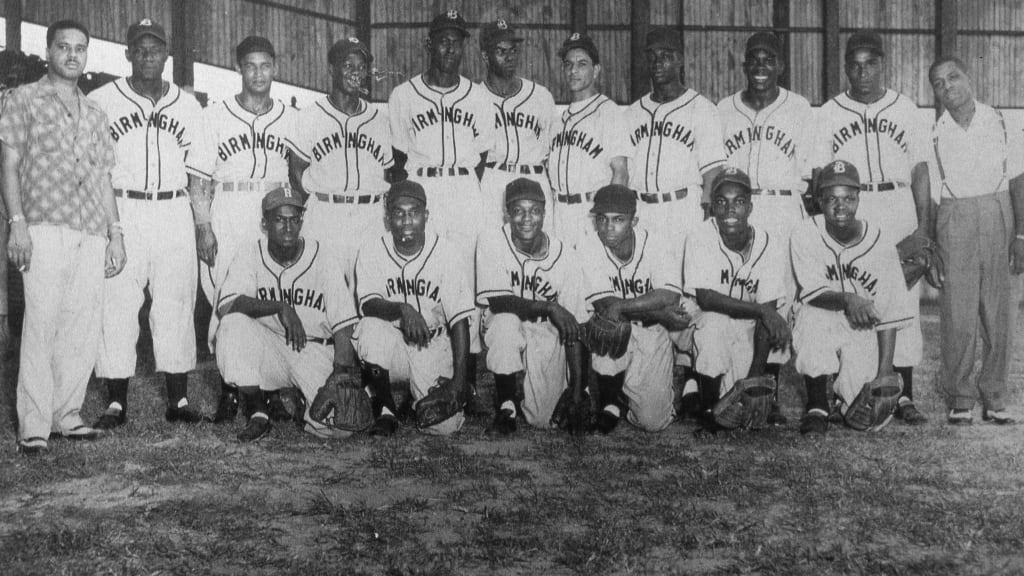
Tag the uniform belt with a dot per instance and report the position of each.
(768, 192)
(656, 197)
(644, 323)
(574, 198)
(881, 186)
(517, 168)
(139, 195)
(432, 172)
(246, 186)
(324, 341)
(345, 199)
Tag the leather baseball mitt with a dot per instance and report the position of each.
(341, 404)
(747, 405)
(441, 403)
(917, 257)
(573, 414)
(606, 337)
(872, 409)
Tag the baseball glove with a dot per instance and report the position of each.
(572, 414)
(342, 405)
(605, 337)
(917, 257)
(441, 403)
(747, 405)
(872, 409)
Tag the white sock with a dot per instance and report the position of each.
(115, 406)
(183, 402)
(613, 410)
(509, 405)
(385, 412)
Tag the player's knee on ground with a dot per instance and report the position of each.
(375, 341)
(505, 343)
(651, 417)
(239, 341)
(817, 338)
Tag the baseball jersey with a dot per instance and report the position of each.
(440, 128)
(673, 143)
(434, 281)
(884, 139)
(584, 142)
(345, 153)
(522, 124)
(314, 286)
(869, 268)
(771, 145)
(242, 146)
(708, 264)
(154, 141)
(651, 268)
(502, 270)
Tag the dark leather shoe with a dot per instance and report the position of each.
(276, 409)
(111, 419)
(606, 422)
(385, 425)
(33, 446)
(775, 417)
(185, 415)
(227, 407)
(814, 423)
(78, 433)
(504, 424)
(257, 428)
(1000, 417)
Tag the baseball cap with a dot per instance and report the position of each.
(864, 40)
(838, 173)
(146, 27)
(346, 46)
(523, 189)
(499, 31)
(764, 40)
(254, 44)
(664, 37)
(733, 175)
(583, 42)
(450, 20)
(406, 189)
(283, 196)
(614, 198)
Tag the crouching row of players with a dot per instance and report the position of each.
(288, 315)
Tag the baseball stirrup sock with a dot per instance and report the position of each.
(817, 392)
(253, 401)
(177, 388)
(907, 374)
(609, 390)
(378, 380)
(117, 391)
(709, 388)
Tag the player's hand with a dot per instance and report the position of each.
(294, 333)
(779, 334)
(115, 257)
(206, 243)
(861, 312)
(612, 310)
(414, 327)
(19, 246)
(568, 327)
(1017, 256)
(675, 318)
(936, 275)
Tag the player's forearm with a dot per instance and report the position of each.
(1017, 201)
(829, 300)
(886, 350)
(296, 168)
(521, 307)
(344, 353)
(712, 301)
(762, 347)
(12, 186)
(574, 359)
(920, 186)
(251, 307)
(108, 202)
(383, 309)
(459, 334)
(200, 194)
(652, 301)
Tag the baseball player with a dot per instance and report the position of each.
(879, 131)
(676, 143)
(629, 276)
(735, 272)
(342, 149)
(415, 299)
(154, 125)
(851, 287)
(287, 316)
(588, 150)
(524, 116)
(245, 153)
(527, 280)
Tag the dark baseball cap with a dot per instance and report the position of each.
(614, 198)
(494, 32)
(733, 175)
(583, 42)
(450, 20)
(864, 40)
(664, 37)
(406, 189)
(764, 40)
(838, 173)
(146, 27)
(283, 196)
(253, 44)
(523, 189)
(343, 48)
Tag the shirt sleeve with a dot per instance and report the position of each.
(202, 156)
(298, 139)
(1015, 154)
(698, 268)
(667, 269)
(384, 138)
(771, 273)
(14, 120)
(918, 143)
(240, 279)
(822, 154)
(614, 124)
(571, 296)
(809, 271)
(485, 131)
(548, 121)
(491, 272)
(710, 151)
(893, 302)
(341, 310)
(370, 279)
(398, 120)
(805, 141)
(595, 285)
(457, 295)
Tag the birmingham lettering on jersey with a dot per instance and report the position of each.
(631, 287)
(664, 129)
(244, 142)
(536, 284)
(748, 285)
(863, 126)
(342, 140)
(413, 287)
(293, 296)
(134, 121)
(849, 272)
(579, 139)
(450, 114)
(752, 134)
(517, 120)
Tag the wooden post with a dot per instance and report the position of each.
(832, 57)
(640, 21)
(13, 10)
(578, 16)
(364, 32)
(780, 22)
(946, 27)
(183, 39)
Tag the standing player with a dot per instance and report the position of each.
(524, 115)
(245, 153)
(342, 147)
(880, 132)
(286, 316)
(851, 288)
(526, 279)
(415, 298)
(154, 125)
(588, 149)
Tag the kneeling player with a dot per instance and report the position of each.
(630, 276)
(286, 316)
(525, 279)
(851, 289)
(416, 298)
(736, 273)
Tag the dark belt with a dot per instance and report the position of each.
(574, 198)
(655, 197)
(250, 186)
(139, 195)
(767, 192)
(879, 186)
(435, 172)
(519, 168)
(343, 199)
(324, 341)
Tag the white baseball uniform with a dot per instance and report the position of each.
(649, 357)
(583, 145)
(254, 351)
(523, 123)
(725, 345)
(824, 341)
(673, 144)
(434, 282)
(154, 143)
(517, 345)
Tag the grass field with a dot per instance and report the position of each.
(156, 498)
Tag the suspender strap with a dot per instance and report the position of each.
(1006, 153)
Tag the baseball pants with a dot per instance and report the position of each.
(342, 227)
(723, 346)
(381, 343)
(672, 219)
(535, 349)
(159, 238)
(648, 384)
(826, 344)
(61, 332)
(493, 187)
(574, 223)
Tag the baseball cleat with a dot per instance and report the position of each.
(909, 414)
(606, 421)
(80, 432)
(504, 424)
(775, 417)
(32, 446)
(1001, 417)
(184, 414)
(475, 406)
(960, 417)
(257, 428)
(227, 407)
(814, 422)
(111, 419)
(385, 425)
(276, 409)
